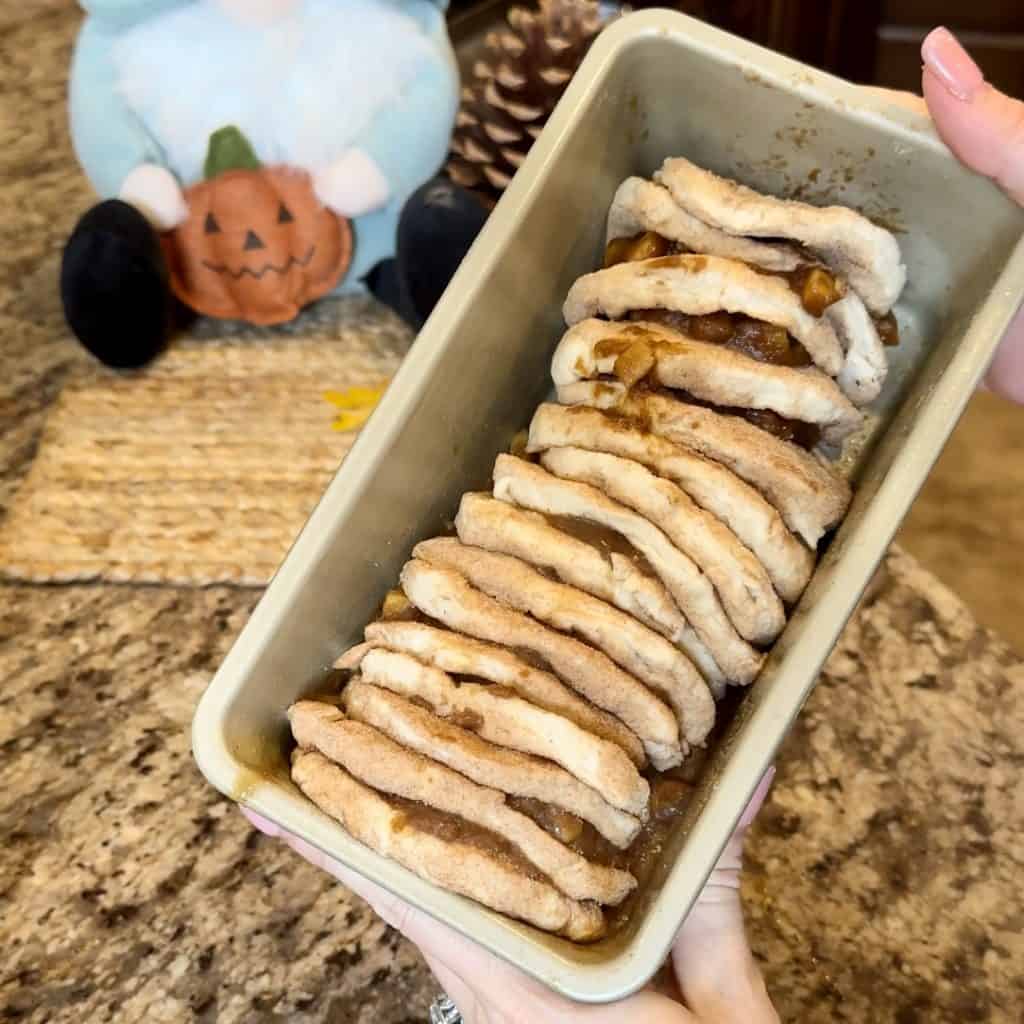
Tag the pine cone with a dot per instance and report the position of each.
(528, 66)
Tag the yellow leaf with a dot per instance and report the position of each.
(351, 420)
(355, 404)
(355, 398)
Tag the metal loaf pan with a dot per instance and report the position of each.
(655, 84)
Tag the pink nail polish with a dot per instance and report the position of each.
(951, 65)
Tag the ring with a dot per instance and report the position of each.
(444, 1011)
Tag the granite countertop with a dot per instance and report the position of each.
(884, 873)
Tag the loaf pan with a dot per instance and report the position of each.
(655, 84)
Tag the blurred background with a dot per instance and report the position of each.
(875, 41)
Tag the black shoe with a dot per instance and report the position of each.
(114, 286)
(386, 287)
(439, 223)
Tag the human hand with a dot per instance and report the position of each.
(713, 978)
(985, 129)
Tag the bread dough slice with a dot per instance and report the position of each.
(445, 595)
(532, 487)
(711, 485)
(640, 205)
(485, 522)
(377, 761)
(861, 252)
(866, 364)
(710, 373)
(700, 285)
(810, 497)
(458, 866)
(507, 770)
(742, 585)
(501, 718)
(641, 652)
(462, 655)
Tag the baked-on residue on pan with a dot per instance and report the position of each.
(524, 720)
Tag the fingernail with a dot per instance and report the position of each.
(757, 799)
(951, 64)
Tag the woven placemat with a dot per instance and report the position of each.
(203, 467)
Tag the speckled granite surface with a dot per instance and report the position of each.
(884, 874)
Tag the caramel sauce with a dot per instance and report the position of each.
(888, 330)
(532, 658)
(806, 435)
(565, 827)
(692, 265)
(494, 689)
(333, 683)
(671, 796)
(767, 343)
(671, 793)
(398, 608)
(817, 287)
(643, 246)
(454, 829)
(634, 354)
(466, 719)
(605, 539)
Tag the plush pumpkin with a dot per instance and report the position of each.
(258, 244)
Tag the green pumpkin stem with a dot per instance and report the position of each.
(230, 150)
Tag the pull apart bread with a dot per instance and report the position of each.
(523, 722)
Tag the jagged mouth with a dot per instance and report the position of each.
(280, 269)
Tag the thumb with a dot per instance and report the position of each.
(984, 127)
(716, 971)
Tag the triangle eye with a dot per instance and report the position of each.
(211, 227)
(284, 215)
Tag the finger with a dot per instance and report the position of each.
(756, 801)
(444, 950)
(453, 958)
(440, 944)
(717, 974)
(261, 824)
(984, 127)
(457, 989)
(711, 956)
(732, 991)
(1006, 374)
(909, 100)
(419, 928)
(394, 912)
(726, 874)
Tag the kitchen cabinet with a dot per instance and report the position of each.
(876, 41)
(992, 30)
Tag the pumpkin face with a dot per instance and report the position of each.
(257, 245)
